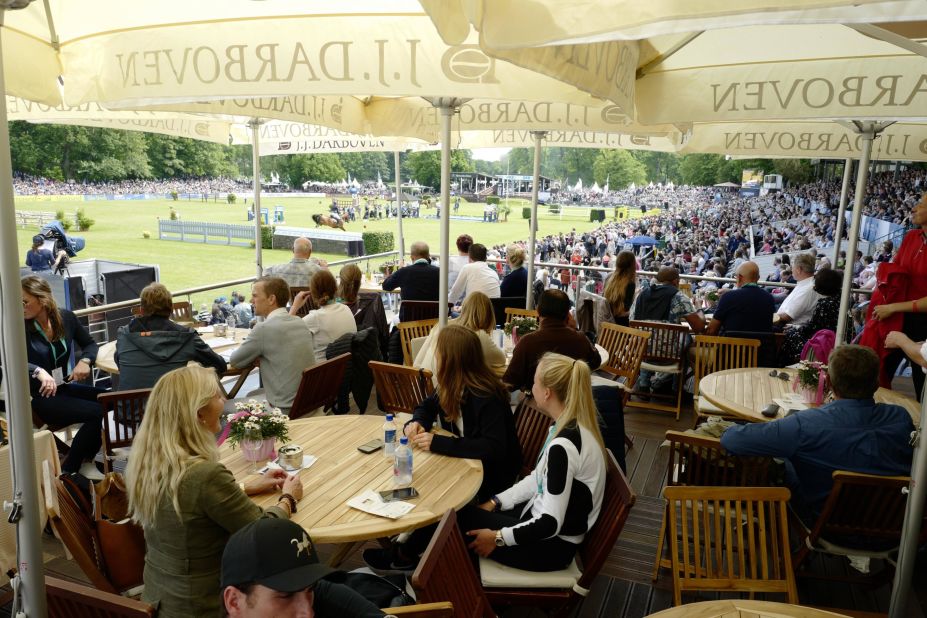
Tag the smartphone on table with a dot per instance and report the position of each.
(402, 493)
(371, 447)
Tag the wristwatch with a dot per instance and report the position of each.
(500, 542)
(497, 503)
(85, 360)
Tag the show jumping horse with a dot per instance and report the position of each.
(329, 221)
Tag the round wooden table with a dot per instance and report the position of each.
(106, 356)
(746, 392)
(343, 472)
(744, 608)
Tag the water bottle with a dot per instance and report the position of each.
(498, 337)
(402, 466)
(389, 437)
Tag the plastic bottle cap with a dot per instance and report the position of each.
(389, 417)
(403, 440)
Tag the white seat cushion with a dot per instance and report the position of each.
(703, 406)
(674, 368)
(495, 575)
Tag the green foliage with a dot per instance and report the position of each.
(525, 325)
(173, 215)
(661, 166)
(492, 199)
(365, 165)
(596, 214)
(83, 221)
(796, 171)
(267, 237)
(700, 169)
(618, 168)
(378, 242)
(505, 210)
(425, 167)
(231, 198)
(146, 235)
(301, 168)
(526, 212)
(65, 222)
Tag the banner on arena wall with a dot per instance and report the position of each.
(900, 141)
(46, 198)
(878, 230)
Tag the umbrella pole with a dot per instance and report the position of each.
(841, 211)
(532, 235)
(25, 499)
(914, 514)
(401, 245)
(255, 123)
(447, 111)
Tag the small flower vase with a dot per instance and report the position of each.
(809, 395)
(514, 335)
(267, 452)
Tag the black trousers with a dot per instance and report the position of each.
(71, 404)
(611, 420)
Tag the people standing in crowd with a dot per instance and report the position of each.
(515, 284)
(748, 308)
(151, 344)
(299, 271)
(798, 306)
(331, 320)
(185, 500)
(283, 343)
(477, 276)
(53, 337)
(911, 259)
(621, 286)
(539, 523)
(852, 433)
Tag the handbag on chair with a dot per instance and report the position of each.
(122, 541)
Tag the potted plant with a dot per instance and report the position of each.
(811, 382)
(255, 427)
(520, 326)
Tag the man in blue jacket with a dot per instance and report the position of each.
(853, 433)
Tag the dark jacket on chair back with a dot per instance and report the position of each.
(654, 302)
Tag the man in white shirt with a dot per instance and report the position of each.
(457, 262)
(477, 276)
(798, 306)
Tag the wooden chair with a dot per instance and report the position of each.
(182, 313)
(666, 353)
(860, 506)
(319, 386)
(501, 303)
(594, 550)
(532, 428)
(399, 388)
(626, 348)
(700, 461)
(72, 523)
(422, 610)
(740, 540)
(416, 310)
(713, 354)
(413, 330)
(71, 600)
(446, 573)
(122, 415)
(310, 302)
(511, 312)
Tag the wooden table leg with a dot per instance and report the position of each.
(341, 554)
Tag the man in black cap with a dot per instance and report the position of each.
(270, 568)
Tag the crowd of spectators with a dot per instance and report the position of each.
(24, 184)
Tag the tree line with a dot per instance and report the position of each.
(66, 152)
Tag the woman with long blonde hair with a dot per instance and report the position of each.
(563, 495)
(477, 315)
(53, 337)
(187, 502)
(620, 287)
(471, 404)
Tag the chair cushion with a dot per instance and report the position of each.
(495, 575)
(674, 368)
(703, 406)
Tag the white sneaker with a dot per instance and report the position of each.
(89, 471)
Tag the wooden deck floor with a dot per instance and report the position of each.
(624, 588)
